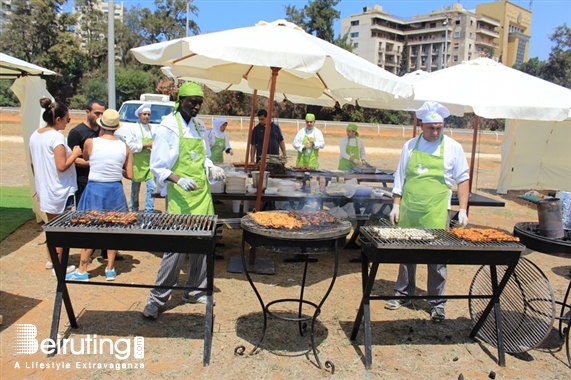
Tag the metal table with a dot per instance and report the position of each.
(305, 241)
(189, 234)
(445, 249)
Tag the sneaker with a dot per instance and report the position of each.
(76, 276)
(110, 274)
(70, 268)
(397, 303)
(49, 265)
(437, 314)
(151, 311)
(197, 298)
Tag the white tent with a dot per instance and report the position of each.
(536, 155)
(29, 88)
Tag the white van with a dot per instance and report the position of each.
(161, 106)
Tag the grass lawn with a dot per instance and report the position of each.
(15, 209)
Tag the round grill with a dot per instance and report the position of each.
(527, 306)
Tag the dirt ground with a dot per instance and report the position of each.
(406, 344)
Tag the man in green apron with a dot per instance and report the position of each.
(352, 149)
(140, 141)
(308, 141)
(179, 161)
(429, 166)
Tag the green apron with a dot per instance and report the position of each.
(425, 195)
(345, 164)
(217, 149)
(312, 159)
(190, 164)
(142, 161)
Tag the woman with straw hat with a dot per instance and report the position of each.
(110, 159)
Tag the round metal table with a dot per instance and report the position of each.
(305, 241)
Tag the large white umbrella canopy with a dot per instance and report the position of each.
(277, 57)
(11, 68)
(324, 100)
(308, 65)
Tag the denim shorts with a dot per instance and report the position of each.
(69, 203)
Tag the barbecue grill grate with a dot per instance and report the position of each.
(442, 239)
(146, 223)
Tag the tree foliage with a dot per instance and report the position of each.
(404, 66)
(316, 18)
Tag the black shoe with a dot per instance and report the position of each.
(118, 256)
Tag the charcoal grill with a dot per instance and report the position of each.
(189, 234)
(445, 248)
(304, 241)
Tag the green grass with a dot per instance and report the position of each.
(15, 209)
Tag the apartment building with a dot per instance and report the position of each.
(436, 40)
(515, 30)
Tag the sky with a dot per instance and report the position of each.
(217, 15)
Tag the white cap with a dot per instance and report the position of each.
(432, 112)
(145, 107)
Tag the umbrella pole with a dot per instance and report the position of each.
(267, 133)
(251, 126)
(473, 156)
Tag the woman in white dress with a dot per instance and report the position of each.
(52, 165)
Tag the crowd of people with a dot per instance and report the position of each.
(180, 158)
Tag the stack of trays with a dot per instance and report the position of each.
(217, 188)
(236, 183)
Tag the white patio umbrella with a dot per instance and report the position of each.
(276, 57)
(325, 100)
(11, 68)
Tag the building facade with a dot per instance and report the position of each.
(515, 30)
(436, 40)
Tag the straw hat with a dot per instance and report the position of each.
(109, 120)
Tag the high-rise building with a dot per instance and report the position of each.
(515, 30)
(6, 8)
(436, 40)
(104, 8)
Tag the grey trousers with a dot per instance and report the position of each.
(169, 270)
(436, 284)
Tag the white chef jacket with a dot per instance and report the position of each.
(134, 138)
(343, 147)
(318, 141)
(166, 147)
(456, 168)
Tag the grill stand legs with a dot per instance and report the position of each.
(62, 294)
(300, 319)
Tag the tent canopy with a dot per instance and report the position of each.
(12, 68)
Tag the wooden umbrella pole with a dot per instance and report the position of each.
(275, 71)
(473, 157)
(250, 127)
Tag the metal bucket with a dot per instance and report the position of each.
(256, 178)
(550, 219)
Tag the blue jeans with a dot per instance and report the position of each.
(149, 201)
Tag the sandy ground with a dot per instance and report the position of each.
(406, 344)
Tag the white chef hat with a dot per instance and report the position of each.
(145, 107)
(432, 112)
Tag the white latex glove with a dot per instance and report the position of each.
(231, 152)
(394, 215)
(357, 162)
(216, 174)
(187, 184)
(462, 217)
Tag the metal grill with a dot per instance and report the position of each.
(442, 240)
(146, 224)
(528, 307)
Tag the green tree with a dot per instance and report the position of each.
(534, 66)
(316, 18)
(558, 66)
(167, 22)
(96, 88)
(92, 28)
(131, 83)
(7, 96)
(405, 59)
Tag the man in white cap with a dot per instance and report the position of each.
(429, 166)
(140, 141)
(308, 141)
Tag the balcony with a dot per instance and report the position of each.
(482, 42)
(487, 32)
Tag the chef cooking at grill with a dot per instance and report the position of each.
(352, 149)
(308, 142)
(179, 162)
(429, 166)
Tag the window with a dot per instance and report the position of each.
(456, 34)
(457, 22)
(471, 35)
(433, 25)
(355, 23)
(471, 22)
(470, 47)
(356, 45)
(354, 34)
(456, 45)
(455, 58)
